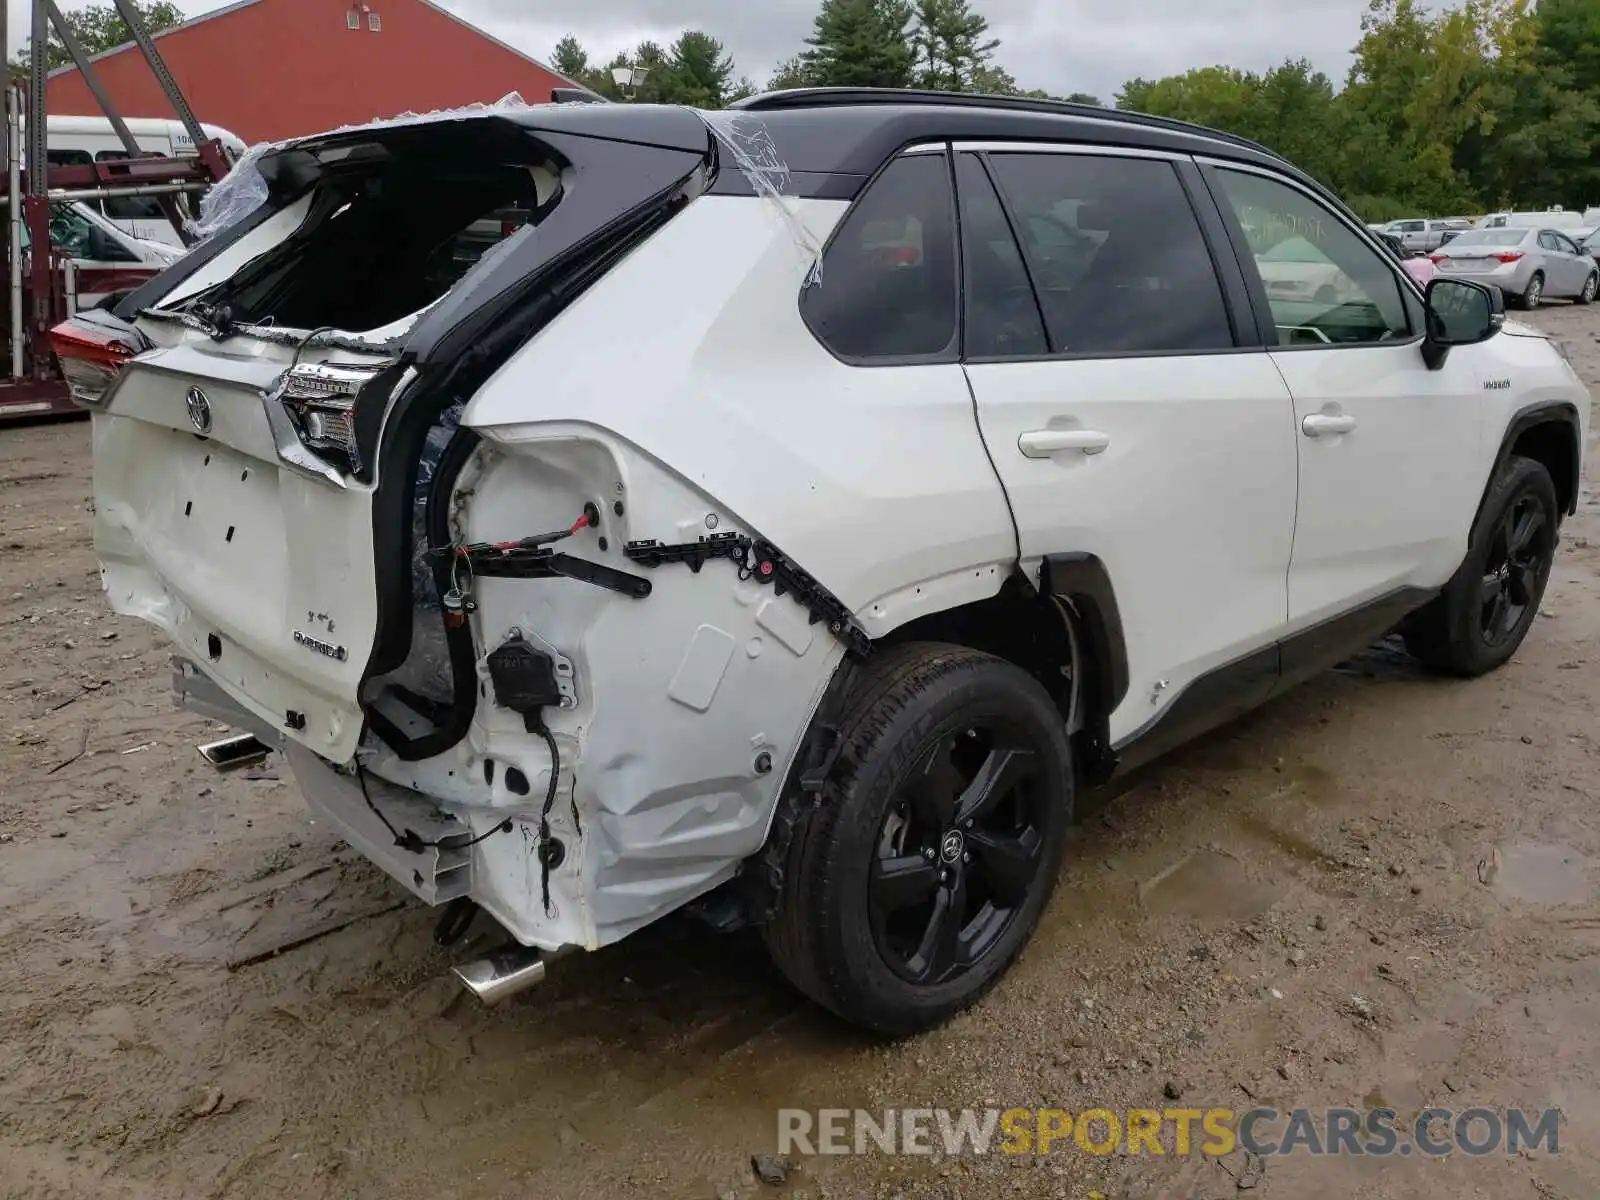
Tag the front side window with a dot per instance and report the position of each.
(1116, 254)
(888, 286)
(1324, 284)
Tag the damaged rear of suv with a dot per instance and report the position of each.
(410, 461)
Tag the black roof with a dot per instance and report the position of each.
(853, 131)
(820, 97)
(832, 140)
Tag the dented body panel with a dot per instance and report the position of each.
(682, 711)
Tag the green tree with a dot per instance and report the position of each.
(952, 46)
(992, 80)
(700, 70)
(1084, 98)
(100, 27)
(571, 59)
(861, 43)
(791, 73)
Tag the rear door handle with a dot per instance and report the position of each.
(1042, 443)
(1323, 425)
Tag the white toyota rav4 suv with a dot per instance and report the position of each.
(788, 513)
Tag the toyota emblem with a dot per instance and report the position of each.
(952, 845)
(199, 410)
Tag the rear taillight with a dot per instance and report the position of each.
(1436, 259)
(92, 355)
(1509, 256)
(320, 399)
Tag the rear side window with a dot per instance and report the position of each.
(1003, 319)
(1116, 253)
(888, 285)
(130, 208)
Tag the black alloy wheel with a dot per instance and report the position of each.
(912, 882)
(1480, 618)
(1520, 550)
(958, 854)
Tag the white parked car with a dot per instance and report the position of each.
(641, 565)
(106, 260)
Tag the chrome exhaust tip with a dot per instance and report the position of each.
(507, 972)
(230, 754)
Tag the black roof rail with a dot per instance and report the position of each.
(845, 97)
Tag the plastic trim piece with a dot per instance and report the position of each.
(764, 563)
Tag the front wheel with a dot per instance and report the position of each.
(913, 884)
(1590, 285)
(1483, 614)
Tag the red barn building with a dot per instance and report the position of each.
(271, 69)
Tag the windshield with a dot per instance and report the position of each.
(1489, 237)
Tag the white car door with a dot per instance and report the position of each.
(1384, 507)
(1126, 411)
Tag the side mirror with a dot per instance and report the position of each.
(1459, 312)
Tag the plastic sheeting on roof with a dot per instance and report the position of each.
(243, 190)
(742, 136)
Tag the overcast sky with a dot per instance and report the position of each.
(1060, 45)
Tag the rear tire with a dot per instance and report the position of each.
(1533, 293)
(1590, 286)
(911, 887)
(1485, 611)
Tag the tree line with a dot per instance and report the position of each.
(941, 44)
(1485, 105)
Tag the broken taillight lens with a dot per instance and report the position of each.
(92, 354)
(320, 399)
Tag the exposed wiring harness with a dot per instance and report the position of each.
(411, 840)
(545, 855)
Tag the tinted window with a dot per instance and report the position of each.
(134, 208)
(1115, 252)
(1563, 243)
(1333, 287)
(130, 208)
(1002, 315)
(68, 158)
(888, 286)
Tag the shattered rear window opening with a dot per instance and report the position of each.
(387, 235)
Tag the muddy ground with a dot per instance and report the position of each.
(1210, 933)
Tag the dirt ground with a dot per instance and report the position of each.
(1430, 847)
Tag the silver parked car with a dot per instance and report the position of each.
(1528, 265)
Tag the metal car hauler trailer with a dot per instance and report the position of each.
(41, 286)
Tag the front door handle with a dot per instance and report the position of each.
(1042, 443)
(1324, 425)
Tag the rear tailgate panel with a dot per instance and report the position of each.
(263, 574)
